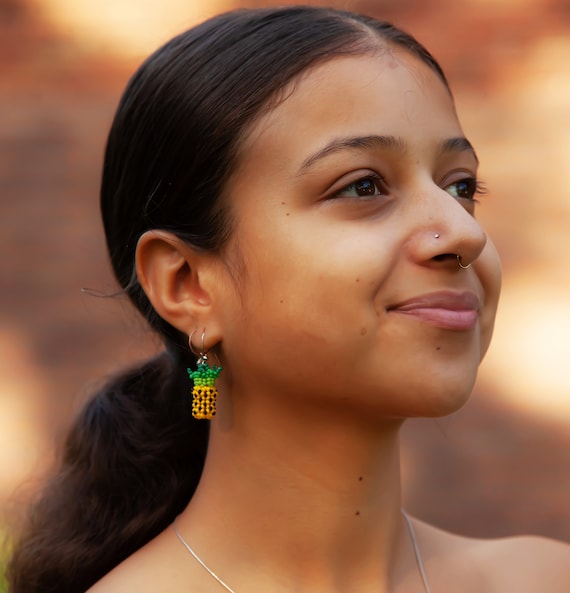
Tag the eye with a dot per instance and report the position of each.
(370, 185)
(465, 189)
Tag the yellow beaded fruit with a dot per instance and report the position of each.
(204, 402)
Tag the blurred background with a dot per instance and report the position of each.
(502, 464)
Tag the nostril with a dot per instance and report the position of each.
(445, 257)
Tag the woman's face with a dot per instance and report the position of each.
(352, 199)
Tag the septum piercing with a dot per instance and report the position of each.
(436, 236)
(461, 265)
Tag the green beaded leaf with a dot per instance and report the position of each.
(204, 374)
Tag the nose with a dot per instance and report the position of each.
(446, 232)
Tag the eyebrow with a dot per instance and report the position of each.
(459, 144)
(451, 145)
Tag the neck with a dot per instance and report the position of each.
(316, 504)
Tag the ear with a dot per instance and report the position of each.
(180, 282)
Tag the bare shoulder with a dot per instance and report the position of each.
(159, 565)
(526, 564)
(529, 563)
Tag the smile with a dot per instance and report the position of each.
(446, 310)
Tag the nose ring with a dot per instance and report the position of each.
(461, 265)
(436, 236)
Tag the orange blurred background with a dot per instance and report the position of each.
(502, 464)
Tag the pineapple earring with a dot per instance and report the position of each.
(204, 393)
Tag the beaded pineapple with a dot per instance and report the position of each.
(204, 393)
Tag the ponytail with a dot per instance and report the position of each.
(130, 464)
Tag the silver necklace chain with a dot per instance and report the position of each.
(228, 588)
(419, 561)
(199, 560)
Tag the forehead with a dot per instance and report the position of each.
(389, 93)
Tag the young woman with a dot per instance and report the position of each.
(287, 194)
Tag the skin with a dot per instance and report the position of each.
(301, 489)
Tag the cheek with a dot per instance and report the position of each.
(307, 297)
(489, 270)
(313, 301)
(309, 266)
(304, 311)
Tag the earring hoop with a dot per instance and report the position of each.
(192, 345)
(461, 265)
(202, 355)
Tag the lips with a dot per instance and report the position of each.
(447, 310)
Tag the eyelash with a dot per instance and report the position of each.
(473, 186)
(377, 183)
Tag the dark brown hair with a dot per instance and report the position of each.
(134, 455)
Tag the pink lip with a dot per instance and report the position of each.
(447, 310)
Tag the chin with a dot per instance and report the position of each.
(449, 399)
(442, 395)
(445, 407)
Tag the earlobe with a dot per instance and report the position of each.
(174, 277)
